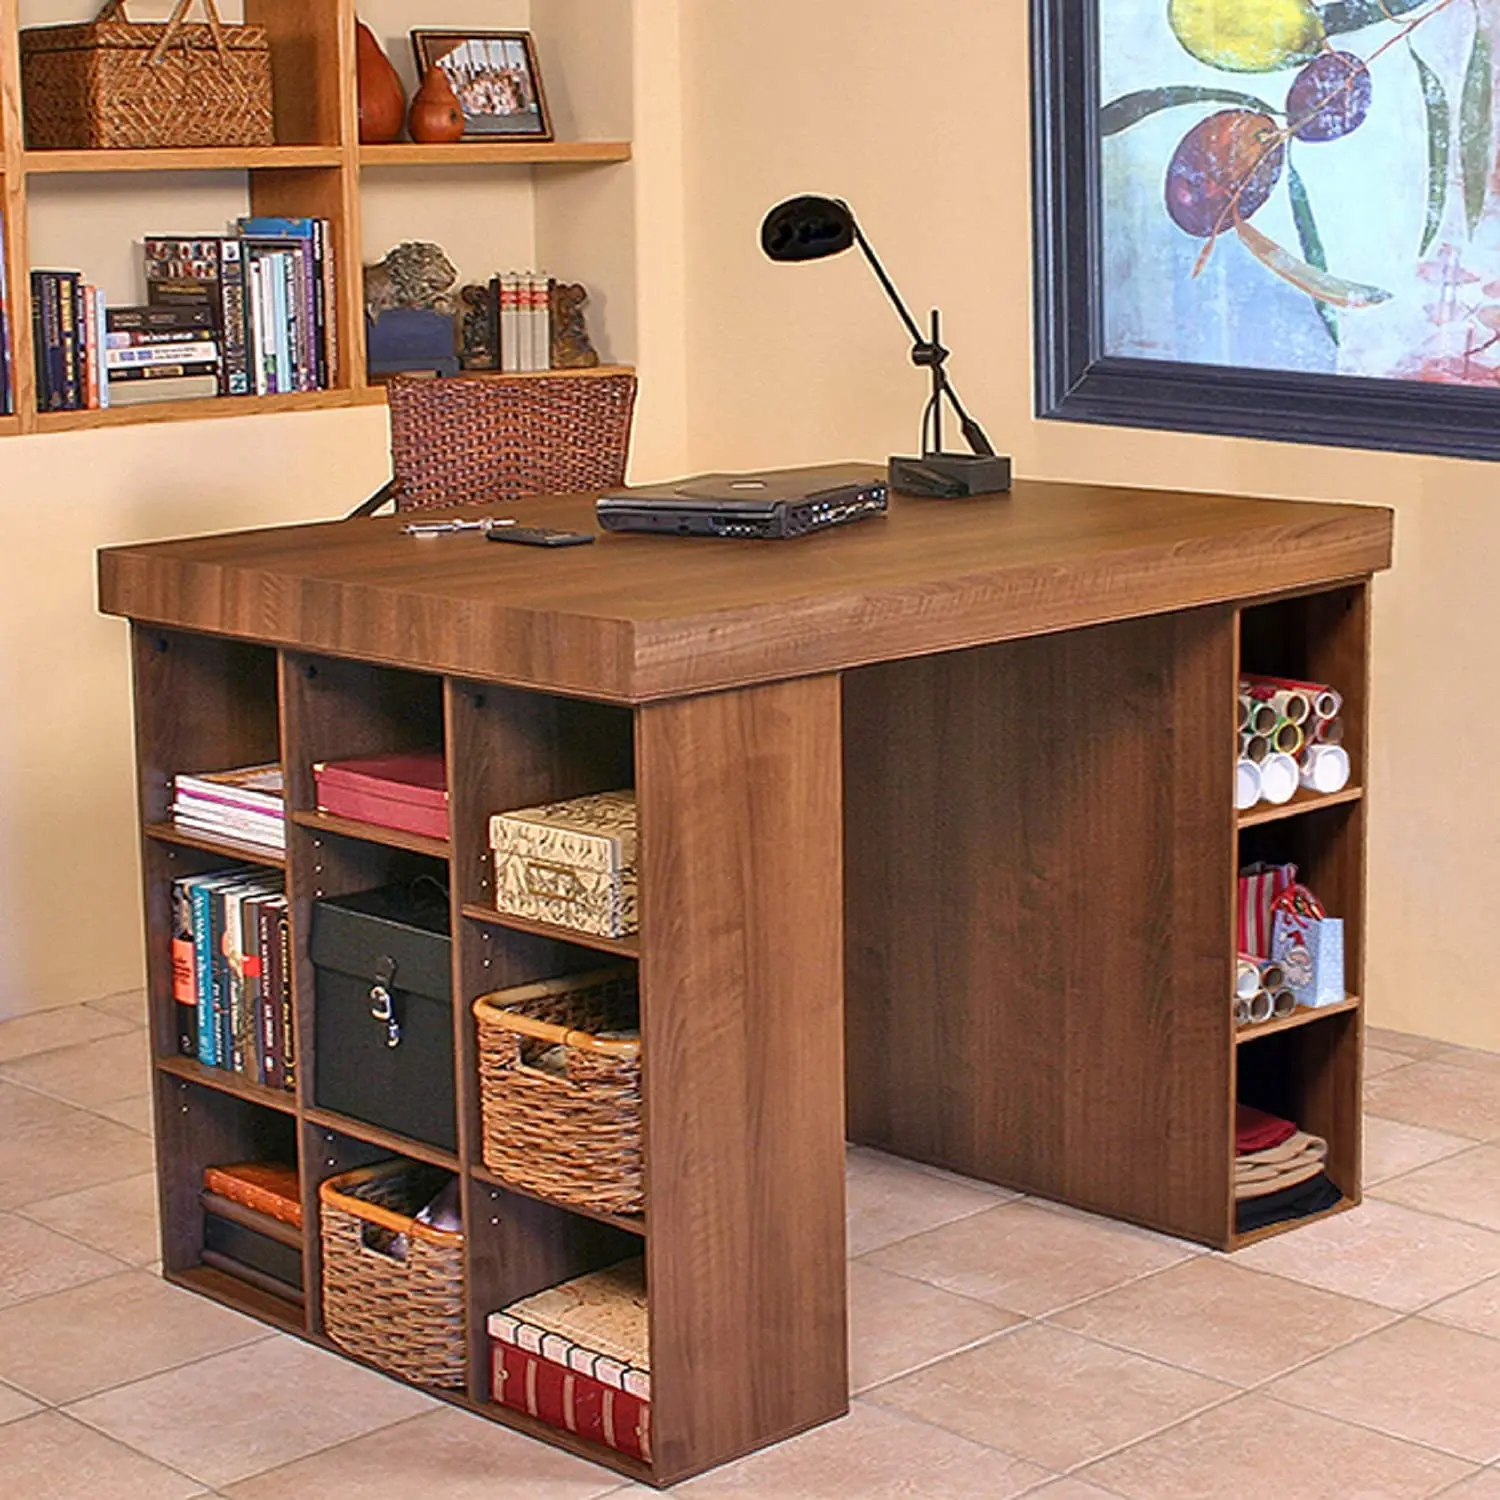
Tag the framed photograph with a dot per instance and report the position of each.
(1270, 218)
(495, 76)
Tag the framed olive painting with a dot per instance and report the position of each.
(1275, 218)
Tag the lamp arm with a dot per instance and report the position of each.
(935, 353)
(917, 336)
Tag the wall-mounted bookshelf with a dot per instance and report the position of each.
(316, 169)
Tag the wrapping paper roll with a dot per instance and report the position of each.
(1278, 778)
(1283, 1003)
(1323, 701)
(1272, 976)
(1247, 707)
(1255, 747)
(1292, 705)
(1241, 1011)
(1329, 732)
(1264, 719)
(1325, 768)
(1262, 1007)
(1247, 787)
(1288, 737)
(1246, 978)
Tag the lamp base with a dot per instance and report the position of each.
(950, 476)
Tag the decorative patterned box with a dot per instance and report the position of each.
(569, 863)
(577, 1356)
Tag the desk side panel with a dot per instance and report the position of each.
(742, 1003)
(1037, 838)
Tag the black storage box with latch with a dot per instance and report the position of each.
(384, 1010)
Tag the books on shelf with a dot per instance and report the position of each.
(231, 973)
(521, 319)
(66, 328)
(577, 1357)
(244, 805)
(406, 790)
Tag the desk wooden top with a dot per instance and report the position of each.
(634, 618)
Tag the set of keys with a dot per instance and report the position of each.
(445, 528)
(502, 529)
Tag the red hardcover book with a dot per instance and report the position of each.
(571, 1400)
(267, 1186)
(407, 790)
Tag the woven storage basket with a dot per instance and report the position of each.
(114, 83)
(478, 439)
(406, 1316)
(575, 1138)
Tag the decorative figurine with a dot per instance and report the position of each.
(382, 100)
(410, 307)
(571, 346)
(414, 274)
(478, 347)
(435, 117)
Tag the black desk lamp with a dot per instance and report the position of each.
(810, 228)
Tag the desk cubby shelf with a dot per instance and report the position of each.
(372, 833)
(626, 947)
(1308, 1067)
(850, 851)
(229, 1082)
(254, 854)
(1303, 801)
(1304, 1016)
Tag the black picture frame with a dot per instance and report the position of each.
(1076, 382)
(533, 123)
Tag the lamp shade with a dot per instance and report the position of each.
(807, 228)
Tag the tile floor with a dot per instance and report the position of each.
(1000, 1346)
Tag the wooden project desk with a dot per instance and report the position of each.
(937, 843)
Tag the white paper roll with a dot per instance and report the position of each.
(1325, 768)
(1246, 784)
(1256, 747)
(1278, 778)
(1327, 703)
(1283, 1004)
(1246, 978)
(1261, 1007)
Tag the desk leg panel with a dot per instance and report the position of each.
(1038, 839)
(742, 1002)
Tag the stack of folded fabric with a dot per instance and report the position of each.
(1278, 1171)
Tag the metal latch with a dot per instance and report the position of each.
(382, 1007)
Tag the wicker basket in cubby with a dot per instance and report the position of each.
(561, 1105)
(393, 1287)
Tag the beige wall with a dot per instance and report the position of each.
(918, 115)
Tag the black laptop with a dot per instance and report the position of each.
(770, 503)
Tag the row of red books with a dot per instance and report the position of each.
(577, 1357)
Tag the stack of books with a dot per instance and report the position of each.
(270, 289)
(252, 311)
(158, 354)
(243, 806)
(231, 974)
(67, 333)
(521, 319)
(577, 1357)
